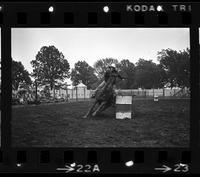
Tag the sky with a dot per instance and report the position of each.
(91, 44)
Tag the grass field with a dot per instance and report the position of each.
(164, 123)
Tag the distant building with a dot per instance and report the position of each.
(72, 92)
(79, 92)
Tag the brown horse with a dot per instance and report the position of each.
(104, 98)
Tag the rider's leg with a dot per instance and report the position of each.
(99, 88)
(100, 85)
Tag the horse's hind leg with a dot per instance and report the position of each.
(90, 110)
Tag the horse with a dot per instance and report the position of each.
(104, 98)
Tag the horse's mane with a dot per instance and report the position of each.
(110, 82)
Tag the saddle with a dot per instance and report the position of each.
(106, 93)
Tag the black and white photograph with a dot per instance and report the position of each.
(100, 87)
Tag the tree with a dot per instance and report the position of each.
(149, 74)
(177, 66)
(19, 75)
(83, 73)
(50, 66)
(127, 71)
(101, 66)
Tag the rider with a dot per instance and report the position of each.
(110, 72)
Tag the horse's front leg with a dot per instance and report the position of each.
(104, 108)
(90, 110)
(99, 108)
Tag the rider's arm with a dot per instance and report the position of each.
(107, 75)
(118, 75)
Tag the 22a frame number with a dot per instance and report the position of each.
(87, 168)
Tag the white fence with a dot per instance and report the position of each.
(79, 94)
(84, 93)
(165, 92)
(70, 94)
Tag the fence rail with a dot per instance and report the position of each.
(157, 92)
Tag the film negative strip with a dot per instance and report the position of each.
(96, 87)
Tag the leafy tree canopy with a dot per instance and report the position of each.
(101, 66)
(83, 72)
(50, 66)
(177, 66)
(19, 75)
(149, 74)
(126, 70)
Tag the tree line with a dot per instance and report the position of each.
(51, 68)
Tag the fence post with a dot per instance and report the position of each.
(36, 97)
(163, 92)
(67, 93)
(76, 94)
(84, 93)
(153, 92)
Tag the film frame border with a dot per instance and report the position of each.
(110, 160)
